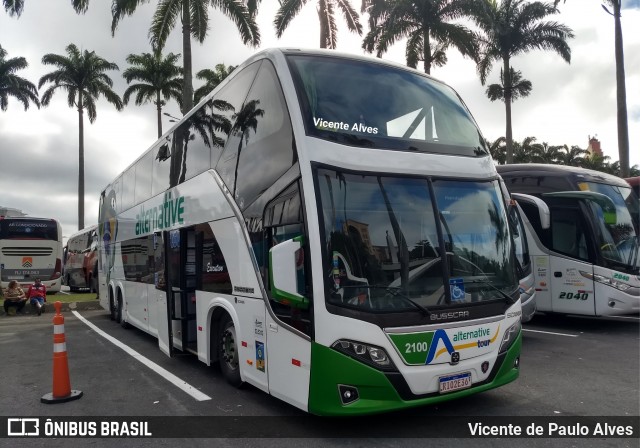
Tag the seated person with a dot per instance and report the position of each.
(37, 295)
(14, 297)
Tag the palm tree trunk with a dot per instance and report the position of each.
(187, 89)
(507, 105)
(324, 31)
(80, 162)
(623, 127)
(159, 110)
(427, 52)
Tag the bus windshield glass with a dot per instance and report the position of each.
(360, 103)
(383, 252)
(618, 241)
(25, 229)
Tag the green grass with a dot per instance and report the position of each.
(73, 297)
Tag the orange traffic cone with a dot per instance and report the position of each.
(61, 385)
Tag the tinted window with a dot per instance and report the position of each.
(128, 188)
(536, 184)
(115, 196)
(229, 100)
(215, 273)
(568, 232)
(369, 104)
(519, 237)
(161, 167)
(28, 229)
(137, 259)
(144, 168)
(200, 140)
(261, 141)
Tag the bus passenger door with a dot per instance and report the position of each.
(181, 287)
(161, 310)
(571, 291)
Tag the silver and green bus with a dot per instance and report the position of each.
(326, 227)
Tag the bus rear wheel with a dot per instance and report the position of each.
(228, 352)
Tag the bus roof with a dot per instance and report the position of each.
(540, 169)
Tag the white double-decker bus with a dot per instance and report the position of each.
(328, 228)
(582, 229)
(31, 248)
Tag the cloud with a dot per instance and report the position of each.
(39, 148)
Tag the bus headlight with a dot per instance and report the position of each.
(371, 355)
(510, 336)
(605, 280)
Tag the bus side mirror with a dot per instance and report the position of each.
(543, 209)
(283, 274)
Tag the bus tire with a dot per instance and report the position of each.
(118, 318)
(228, 352)
(112, 308)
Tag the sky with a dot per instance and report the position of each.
(39, 148)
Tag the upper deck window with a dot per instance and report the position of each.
(368, 104)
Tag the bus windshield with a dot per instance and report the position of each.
(366, 104)
(25, 229)
(618, 241)
(384, 238)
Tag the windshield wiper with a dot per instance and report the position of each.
(395, 292)
(504, 295)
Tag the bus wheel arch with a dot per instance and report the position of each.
(121, 312)
(226, 347)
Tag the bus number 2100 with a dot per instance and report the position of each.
(574, 295)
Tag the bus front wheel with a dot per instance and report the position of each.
(228, 352)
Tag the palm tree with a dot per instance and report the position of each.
(82, 76)
(211, 78)
(596, 162)
(520, 88)
(511, 28)
(194, 19)
(420, 22)
(524, 152)
(14, 85)
(13, 7)
(544, 153)
(159, 78)
(621, 89)
(326, 14)
(497, 150)
(573, 156)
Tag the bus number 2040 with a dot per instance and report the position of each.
(574, 295)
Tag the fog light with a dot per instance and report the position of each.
(516, 363)
(348, 394)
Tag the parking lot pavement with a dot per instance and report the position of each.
(570, 367)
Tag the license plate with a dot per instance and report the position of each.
(455, 382)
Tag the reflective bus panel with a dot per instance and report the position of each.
(346, 253)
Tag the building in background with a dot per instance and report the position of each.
(11, 212)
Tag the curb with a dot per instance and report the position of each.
(66, 307)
